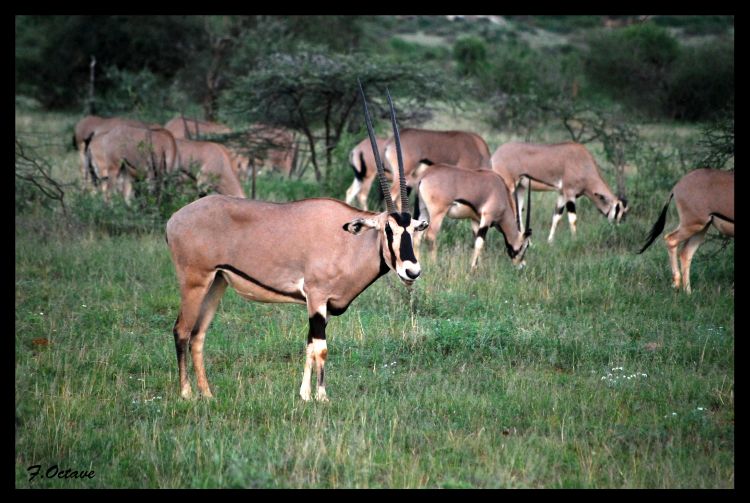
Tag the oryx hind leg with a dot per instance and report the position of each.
(316, 350)
(197, 337)
(673, 241)
(686, 256)
(193, 291)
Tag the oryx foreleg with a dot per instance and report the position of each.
(480, 233)
(316, 351)
(572, 217)
(556, 216)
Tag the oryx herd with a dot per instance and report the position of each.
(323, 252)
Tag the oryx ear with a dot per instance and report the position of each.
(356, 225)
(422, 225)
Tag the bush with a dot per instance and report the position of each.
(470, 54)
(701, 85)
(633, 64)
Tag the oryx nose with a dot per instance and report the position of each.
(413, 274)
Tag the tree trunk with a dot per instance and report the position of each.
(91, 105)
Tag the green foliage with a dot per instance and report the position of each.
(470, 54)
(701, 84)
(53, 52)
(139, 94)
(697, 25)
(633, 63)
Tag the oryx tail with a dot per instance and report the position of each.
(658, 226)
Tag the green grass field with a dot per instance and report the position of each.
(585, 369)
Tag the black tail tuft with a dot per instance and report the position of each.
(658, 226)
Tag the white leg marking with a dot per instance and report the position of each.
(304, 390)
(572, 217)
(555, 219)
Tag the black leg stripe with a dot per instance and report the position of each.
(317, 328)
(571, 206)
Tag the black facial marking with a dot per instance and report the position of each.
(389, 238)
(617, 210)
(571, 206)
(317, 328)
(402, 219)
(294, 295)
(406, 248)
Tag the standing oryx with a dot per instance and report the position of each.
(479, 195)
(423, 147)
(703, 197)
(567, 168)
(86, 129)
(126, 152)
(319, 252)
(362, 161)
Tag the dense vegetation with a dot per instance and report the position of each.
(582, 370)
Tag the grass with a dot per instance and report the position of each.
(583, 369)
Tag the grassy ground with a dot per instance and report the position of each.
(582, 370)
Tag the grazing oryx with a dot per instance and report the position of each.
(213, 164)
(85, 130)
(703, 197)
(479, 195)
(270, 146)
(319, 252)
(363, 163)
(194, 129)
(422, 147)
(126, 152)
(567, 168)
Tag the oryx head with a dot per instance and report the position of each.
(614, 208)
(397, 226)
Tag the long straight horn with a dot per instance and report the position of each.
(528, 210)
(397, 139)
(518, 212)
(378, 163)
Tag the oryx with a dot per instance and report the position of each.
(362, 162)
(482, 196)
(210, 164)
(126, 152)
(568, 168)
(267, 146)
(86, 129)
(703, 197)
(423, 147)
(319, 252)
(194, 129)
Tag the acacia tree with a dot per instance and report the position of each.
(315, 93)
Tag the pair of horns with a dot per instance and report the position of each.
(381, 172)
(527, 231)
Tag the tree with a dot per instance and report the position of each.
(311, 90)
